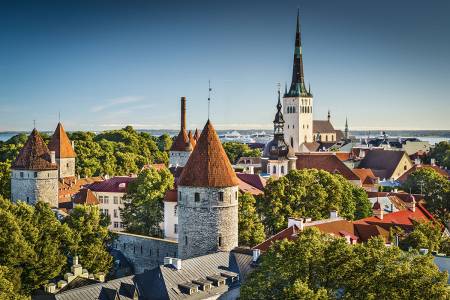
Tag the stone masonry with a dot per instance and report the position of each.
(33, 186)
(144, 252)
(207, 225)
(178, 158)
(66, 167)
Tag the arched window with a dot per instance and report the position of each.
(326, 138)
(274, 170)
(282, 169)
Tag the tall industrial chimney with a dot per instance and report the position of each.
(183, 113)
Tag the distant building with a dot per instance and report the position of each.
(64, 152)
(278, 157)
(110, 193)
(386, 164)
(34, 173)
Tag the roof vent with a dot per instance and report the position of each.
(176, 262)
(230, 276)
(188, 288)
(204, 284)
(216, 279)
(167, 261)
(122, 185)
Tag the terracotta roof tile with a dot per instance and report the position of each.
(343, 155)
(252, 179)
(244, 187)
(181, 142)
(34, 155)
(192, 140)
(324, 161)
(196, 134)
(61, 144)
(85, 196)
(208, 165)
(322, 126)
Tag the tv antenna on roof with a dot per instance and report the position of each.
(209, 98)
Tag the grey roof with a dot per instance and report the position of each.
(163, 282)
(322, 126)
(382, 162)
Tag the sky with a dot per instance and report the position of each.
(105, 64)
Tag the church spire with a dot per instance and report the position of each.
(346, 129)
(298, 78)
(278, 122)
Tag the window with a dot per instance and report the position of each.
(28, 199)
(292, 142)
(282, 169)
(326, 138)
(106, 212)
(116, 215)
(220, 241)
(116, 200)
(116, 224)
(179, 196)
(106, 199)
(185, 240)
(120, 200)
(121, 225)
(236, 195)
(404, 168)
(274, 170)
(67, 165)
(21, 174)
(35, 174)
(100, 199)
(221, 196)
(293, 109)
(175, 228)
(175, 210)
(197, 197)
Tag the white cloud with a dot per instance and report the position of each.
(116, 102)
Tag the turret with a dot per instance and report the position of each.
(64, 152)
(182, 147)
(207, 200)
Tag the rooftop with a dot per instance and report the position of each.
(61, 144)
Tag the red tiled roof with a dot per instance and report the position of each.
(69, 186)
(252, 179)
(208, 165)
(61, 144)
(181, 142)
(34, 155)
(367, 231)
(171, 196)
(343, 156)
(366, 175)
(247, 188)
(192, 140)
(288, 233)
(116, 184)
(158, 167)
(196, 134)
(326, 161)
(414, 168)
(85, 196)
(382, 162)
(322, 126)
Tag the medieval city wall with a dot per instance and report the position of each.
(33, 186)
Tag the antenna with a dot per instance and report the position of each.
(34, 124)
(209, 98)
(59, 116)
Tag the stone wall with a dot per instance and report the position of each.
(33, 186)
(178, 158)
(66, 167)
(143, 252)
(208, 225)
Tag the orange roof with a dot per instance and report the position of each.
(326, 161)
(85, 196)
(181, 142)
(34, 155)
(196, 134)
(60, 143)
(192, 140)
(171, 196)
(208, 165)
(343, 155)
(244, 187)
(366, 175)
(405, 175)
(69, 186)
(158, 167)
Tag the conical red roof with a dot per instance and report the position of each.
(182, 142)
(60, 143)
(34, 155)
(191, 139)
(196, 134)
(208, 165)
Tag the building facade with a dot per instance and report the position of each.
(207, 200)
(34, 173)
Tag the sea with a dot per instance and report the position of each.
(432, 136)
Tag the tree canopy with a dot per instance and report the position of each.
(441, 152)
(143, 203)
(251, 229)
(310, 193)
(236, 150)
(318, 266)
(435, 188)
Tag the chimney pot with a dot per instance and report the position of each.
(256, 254)
(52, 157)
(183, 113)
(176, 262)
(333, 214)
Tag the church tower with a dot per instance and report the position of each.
(181, 148)
(207, 200)
(64, 152)
(298, 101)
(34, 173)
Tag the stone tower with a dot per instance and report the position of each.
(298, 101)
(278, 157)
(65, 154)
(181, 148)
(207, 200)
(34, 173)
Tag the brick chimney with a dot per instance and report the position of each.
(183, 113)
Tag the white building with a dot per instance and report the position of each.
(110, 197)
(171, 215)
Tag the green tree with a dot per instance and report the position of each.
(441, 152)
(164, 142)
(310, 193)
(5, 179)
(89, 238)
(251, 229)
(435, 188)
(319, 266)
(236, 150)
(8, 290)
(143, 207)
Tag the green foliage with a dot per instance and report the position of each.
(251, 229)
(143, 207)
(89, 238)
(310, 193)
(5, 179)
(8, 289)
(426, 235)
(435, 188)
(318, 266)
(164, 142)
(441, 152)
(235, 150)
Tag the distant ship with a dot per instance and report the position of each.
(235, 136)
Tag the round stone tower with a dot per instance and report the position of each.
(34, 173)
(207, 200)
(64, 152)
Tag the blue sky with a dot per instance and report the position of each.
(104, 64)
